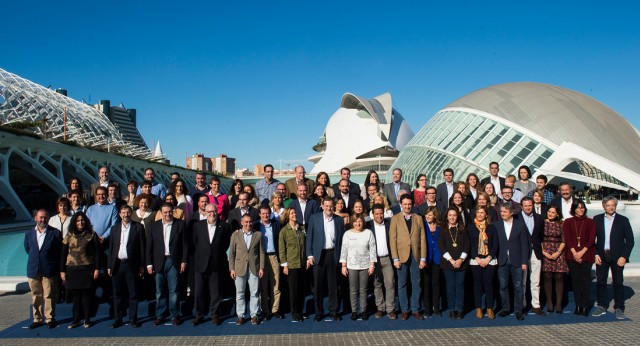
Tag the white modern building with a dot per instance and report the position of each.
(553, 130)
(61, 118)
(361, 135)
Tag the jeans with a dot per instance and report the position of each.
(167, 285)
(384, 284)
(516, 275)
(431, 288)
(241, 284)
(483, 282)
(409, 268)
(454, 279)
(602, 273)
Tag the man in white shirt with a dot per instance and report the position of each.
(210, 240)
(493, 178)
(565, 200)
(384, 275)
(126, 264)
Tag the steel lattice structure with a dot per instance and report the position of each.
(26, 101)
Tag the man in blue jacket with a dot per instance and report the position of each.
(43, 245)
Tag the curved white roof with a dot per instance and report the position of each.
(560, 115)
(26, 101)
(361, 128)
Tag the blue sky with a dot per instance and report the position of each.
(259, 80)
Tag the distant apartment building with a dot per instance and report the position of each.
(199, 162)
(125, 121)
(224, 164)
(243, 172)
(258, 170)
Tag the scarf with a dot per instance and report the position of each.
(483, 244)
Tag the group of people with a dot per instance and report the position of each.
(201, 244)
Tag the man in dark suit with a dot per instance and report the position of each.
(507, 193)
(391, 191)
(535, 226)
(210, 239)
(493, 178)
(512, 258)
(354, 188)
(614, 242)
(303, 206)
(43, 245)
(445, 190)
(292, 184)
(348, 197)
(104, 181)
(126, 263)
(167, 254)
(431, 202)
(324, 239)
(384, 276)
(243, 208)
(270, 281)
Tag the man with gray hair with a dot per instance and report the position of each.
(614, 242)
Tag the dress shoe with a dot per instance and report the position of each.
(297, 318)
(176, 321)
(404, 316)
(365, 316)
(392, 315)
(74, 325)
(479, 313)
(117, 324)
(418, 315)
(460, 315)
(354, 316)
(255, 321)
(520, 316)
(268, 317)
(239, 321)
(198, 320)
(585, 312)
(52, 324)
(35, 325)
(538, 312)
(503, 313)
(87, 324)
(134, 324)
(336, 316)
(491, 314)
(278, 315)
(577, 311)
(158, 321)
(379, 314)
(318, 317)
(215, 320)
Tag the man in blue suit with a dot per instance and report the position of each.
(303, 205)
(324, 239)
(43, 245)
(512, 258)
(614, 242)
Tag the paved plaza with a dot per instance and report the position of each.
(14, 310)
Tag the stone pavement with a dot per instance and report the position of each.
(14, 309)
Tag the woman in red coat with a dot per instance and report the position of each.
(579, 238)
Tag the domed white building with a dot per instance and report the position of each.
(555, 131)
(361, 135)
